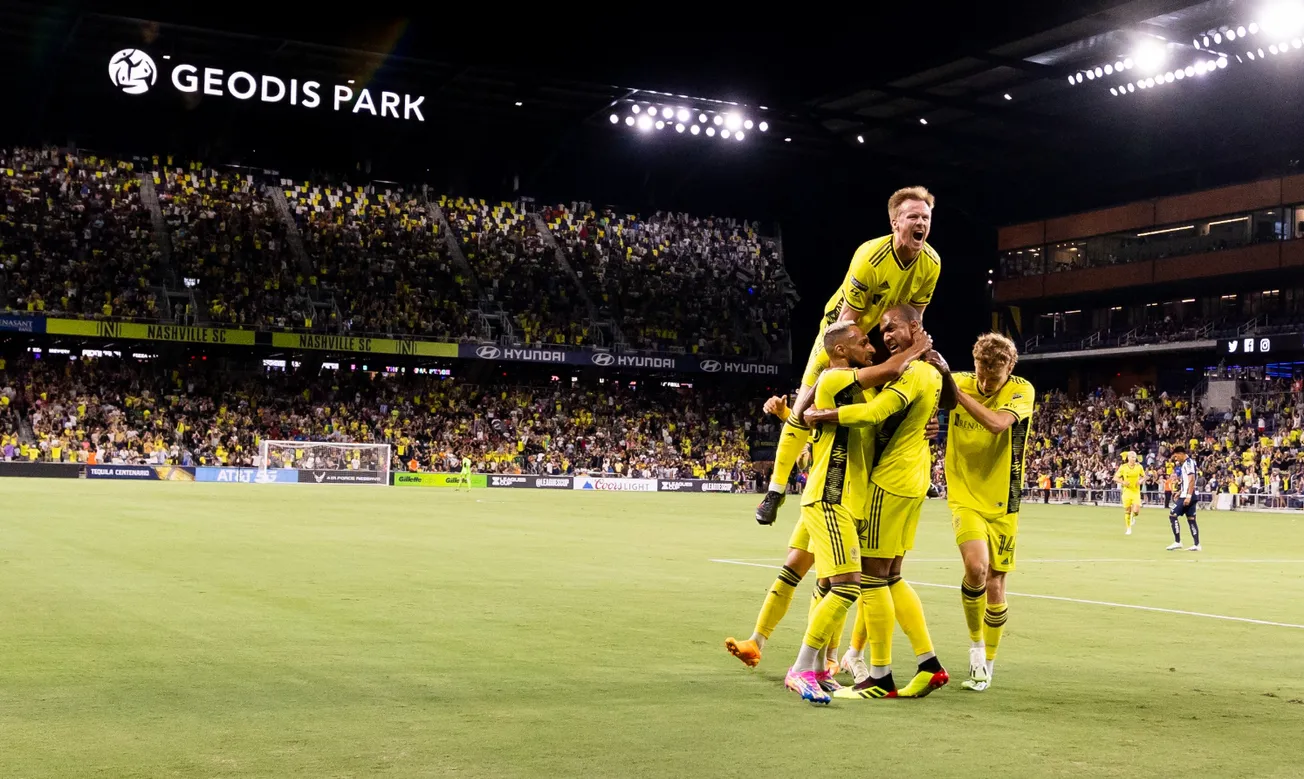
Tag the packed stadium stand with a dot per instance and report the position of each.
(139, 412)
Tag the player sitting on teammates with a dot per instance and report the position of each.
(984, 485)
(1129, 477)
(896, 268)
(898, 483)
(1184, 505)
(799, 560)
(833, 508)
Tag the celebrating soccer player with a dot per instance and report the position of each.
(984, 485)
(897, 268)
(898, 485)
(1184, 505)
(1129, 477)
(799, 560)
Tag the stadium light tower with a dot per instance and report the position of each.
(1149, 56)
(1283, 20)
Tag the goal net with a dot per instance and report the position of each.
(327, 463)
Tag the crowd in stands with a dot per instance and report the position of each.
(74, 236)
(124, 411)
(674, 280)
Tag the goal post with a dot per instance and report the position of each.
(327, 462)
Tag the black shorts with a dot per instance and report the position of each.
(1184, 507)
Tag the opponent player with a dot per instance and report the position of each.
(465, 480)
(1129, 477)
(799, 560)
(984, 487)
(833, 506)
(1184, 505)
(897, 268)
(898, 484)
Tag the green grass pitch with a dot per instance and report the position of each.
(183, 630)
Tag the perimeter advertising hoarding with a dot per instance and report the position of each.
(404, 479)
(138, 332)
(141, 472)
(680, 363)
(21, 323)
(530, 481)
(364, 345)
(693, 485)
(342, 477)
(614, 484)
(247, 475)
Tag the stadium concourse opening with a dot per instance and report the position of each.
(541, 282)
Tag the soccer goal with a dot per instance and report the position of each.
(326, 463)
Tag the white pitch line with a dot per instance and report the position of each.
(1076, 600)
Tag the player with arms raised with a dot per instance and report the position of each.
(984, 485)
(1129, 477)
(896, 268)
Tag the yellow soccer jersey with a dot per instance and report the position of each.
(901, 462)
(984, 472)
(838, 471)
(1130, 475)
(878, 279)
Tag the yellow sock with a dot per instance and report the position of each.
(822, 588)
(880, 617)
(1127, 519)
(993, 625)
(835, 637)
(831, 611)
(975, 603)
(859, 635)
(910, 615)
(792, 440)
(777, 601)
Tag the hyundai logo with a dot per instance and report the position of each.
(602, 358)
(710, 366)
(487, 352)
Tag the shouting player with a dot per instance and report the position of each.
(833, 507)
(799, 560)
(898, 485)
(1184, 505)
(984, 486)
(1129, 477)
(897, 268)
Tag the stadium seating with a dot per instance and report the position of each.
(140, 412)
(74, 237)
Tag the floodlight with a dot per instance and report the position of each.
(1113, 91)
(1140, 85)
(1249, 54)
(1128, 63)
(1296, 42)
(1118, 66)
(724, 134)
(629, 120)
(1217, 38)
(1071, 81)
(519, 104)
(1240, 31)
(636, 108)
(645, 122)
(1150, 82)
(679, 127)
(701, 118)
(733, 121)
(763, 126)
(695, 129)
(923, 120)
(1272, 47)
(719, 120)
(787, 140)
(1109, 70)
(1007, 96)
(1222, 62)
(1254, 28)
(1149, 56)
(747, 124)
(1179, 75)
(682, 114)
(710, 132)
(660, 125)
(614, 119)
(860, 138)
(1260, 53)
(1099, 73)
(1169, 77)
(738, 136)
(1079, 78)
(1206, 40)
(1190, 71)
(1091, 75)
(1131, 88)
(1231, 35)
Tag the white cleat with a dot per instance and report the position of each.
(970, 684)
(1173, 547)
(855, 665)
(1193, 548)
(1128, 532)
(978, 665)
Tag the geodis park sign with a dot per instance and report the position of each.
(135, 72)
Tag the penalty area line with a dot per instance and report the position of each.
(1133, 606)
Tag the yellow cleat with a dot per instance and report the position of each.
(924, 683)
(747, 651)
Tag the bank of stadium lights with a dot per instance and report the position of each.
(728, 123)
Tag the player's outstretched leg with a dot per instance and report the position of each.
(804, 676)
(792, 440)
(777, 601)
(909, 609)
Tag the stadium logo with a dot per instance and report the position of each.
(488, 352)
(133, 71)
(603, 359)
(710, 366)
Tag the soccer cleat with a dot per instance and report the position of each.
(975, 686)
(924, 683)
(856, 666)
(1128, 532)
(977, 663)
(1176, 545)
(747, 651)
(1193, 548)
(768, 510)
(807, 686)
(826, 681)
(883, 687)
(831, 667)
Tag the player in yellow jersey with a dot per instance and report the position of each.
(898, 484)
(1129, 477)
(779, 597)
(984, 485)
(896, 268)
(833, 507)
